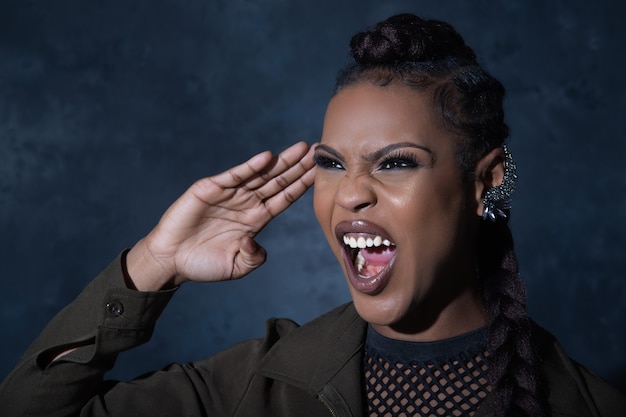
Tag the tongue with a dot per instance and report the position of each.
(375, 259)
(378, 256)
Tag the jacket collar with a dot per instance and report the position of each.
(326, 352)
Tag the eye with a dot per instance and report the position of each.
(399, 162)
(326, 162)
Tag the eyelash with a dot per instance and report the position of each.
(401, 160)
(398, 161)
(326, 162)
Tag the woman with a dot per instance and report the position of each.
(412, 186)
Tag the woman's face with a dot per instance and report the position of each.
(391, 200)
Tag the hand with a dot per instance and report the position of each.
(208, 233)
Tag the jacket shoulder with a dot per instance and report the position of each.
(277, 328)
(304, 357)
(286, 334)
(573, 389)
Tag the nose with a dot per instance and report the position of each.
(355, 193)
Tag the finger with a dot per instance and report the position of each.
(281, 182)
(287, 196)
(239, 174)
(250, 256)
(281, 163)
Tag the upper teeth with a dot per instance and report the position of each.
(362, 242)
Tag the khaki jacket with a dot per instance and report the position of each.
(294, 371)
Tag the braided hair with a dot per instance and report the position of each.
(430, 56)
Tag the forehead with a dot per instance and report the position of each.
(368, 112)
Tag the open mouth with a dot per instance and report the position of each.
(370, 254)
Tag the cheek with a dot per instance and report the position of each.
(322, 201)
(323, 204)
(425, 212)
(324, 190)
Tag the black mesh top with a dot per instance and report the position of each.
(443, 378)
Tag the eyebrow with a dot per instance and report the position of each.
(376, 155)
(329, 150)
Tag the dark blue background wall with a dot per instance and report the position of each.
(110, 109)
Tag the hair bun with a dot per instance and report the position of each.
(406, 37)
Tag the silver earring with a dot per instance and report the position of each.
(498, 199)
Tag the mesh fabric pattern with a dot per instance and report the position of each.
(445, 378)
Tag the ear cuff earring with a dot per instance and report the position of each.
(498, 199)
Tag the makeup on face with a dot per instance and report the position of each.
(391, 199)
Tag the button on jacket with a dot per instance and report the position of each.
(312, 370)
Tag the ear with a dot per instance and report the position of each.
(489, 172)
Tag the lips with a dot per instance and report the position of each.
(368, 255)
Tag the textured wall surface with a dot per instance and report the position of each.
(110, 109)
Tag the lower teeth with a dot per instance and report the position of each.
(359, 262)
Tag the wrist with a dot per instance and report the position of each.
(143, 271)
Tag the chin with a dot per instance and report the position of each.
(377, 311)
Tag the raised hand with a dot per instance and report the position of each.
(208, 233)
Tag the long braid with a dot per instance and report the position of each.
(431, 56)
(512, 362)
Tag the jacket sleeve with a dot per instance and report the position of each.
(105, 319)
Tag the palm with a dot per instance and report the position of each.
(206, 235)
(209, 243)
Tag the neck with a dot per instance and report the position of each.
(464, 314)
